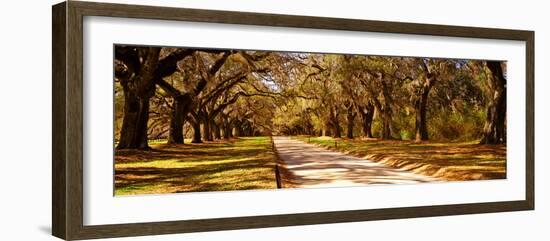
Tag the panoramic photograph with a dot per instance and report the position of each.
(199, 119)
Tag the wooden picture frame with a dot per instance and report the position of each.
(67, 152)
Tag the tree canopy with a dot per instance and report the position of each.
(209, 94)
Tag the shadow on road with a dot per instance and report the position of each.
(313, 166)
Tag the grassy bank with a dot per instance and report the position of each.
(450, 161)
(240, 164)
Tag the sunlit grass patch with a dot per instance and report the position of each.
(243, 163)
(453, 161)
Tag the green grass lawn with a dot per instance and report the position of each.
(240, 164)
(453, 161)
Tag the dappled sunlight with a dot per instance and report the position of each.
(244, 163)
(428, 115)
(317, 167)
(453, 161)
(247, 163)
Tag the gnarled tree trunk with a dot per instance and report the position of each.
(367, 115)
(494, 131)
(181, 108)
(138, 90)
(350, 118)
(226, 127)
(134, 123)
(386, 133)
(196, 132)
(334, 123)
(207, 132)
(421, 108)
(217, 130)
(204, 117)
(384, 112)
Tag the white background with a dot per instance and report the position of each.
(26, 121)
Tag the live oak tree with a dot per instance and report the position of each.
(136, 69)
(389, 93)
(426, 73)
(219, 94)
(378, 78)
(492, 78)
(139, 70)
(183, 100)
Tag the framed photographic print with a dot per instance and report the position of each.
(171, 120)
